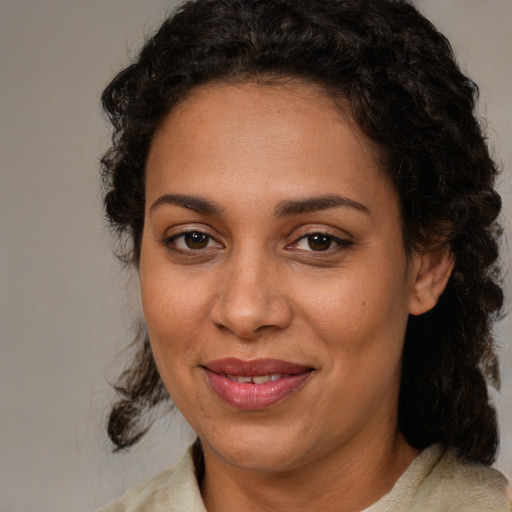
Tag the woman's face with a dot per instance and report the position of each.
(274, 280)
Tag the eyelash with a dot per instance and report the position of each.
(170, 242)
(321, 237)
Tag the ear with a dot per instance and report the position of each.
(430, 273)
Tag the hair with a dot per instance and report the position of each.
(404, 90)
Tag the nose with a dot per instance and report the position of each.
(250, 300)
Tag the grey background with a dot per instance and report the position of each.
(66, 308)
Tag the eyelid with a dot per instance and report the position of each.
(320, 229)
(181, 231)
(339, 241)
(343, 239)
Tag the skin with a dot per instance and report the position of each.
(257, 289)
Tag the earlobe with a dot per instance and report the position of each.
(431, 271)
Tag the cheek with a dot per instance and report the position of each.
(173, 309)
(171, 319)
(359, 311)
(173, 302)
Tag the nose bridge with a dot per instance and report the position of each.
(250, 296)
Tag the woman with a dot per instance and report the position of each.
(309, 203)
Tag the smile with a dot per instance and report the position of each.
(257, 379)
(256, 384)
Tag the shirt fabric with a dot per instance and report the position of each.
(436, 481)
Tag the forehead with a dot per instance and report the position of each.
(251, 104)
(289, 138)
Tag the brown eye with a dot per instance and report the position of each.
(190, 241)
(196, 240)
(319, 242)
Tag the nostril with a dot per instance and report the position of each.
(253, 319)
(250, 300)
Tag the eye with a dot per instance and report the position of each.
(319, 242)
(191, 241)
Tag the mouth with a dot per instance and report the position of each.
(256, 384)
(256, 379)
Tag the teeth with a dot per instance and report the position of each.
(257, 379)
(260, 379)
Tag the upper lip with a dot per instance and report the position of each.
(241, 368)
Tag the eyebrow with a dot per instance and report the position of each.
(314, 204)
(283, 209)
(195, 203)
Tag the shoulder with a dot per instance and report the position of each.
(458, 485)
(172, 490)
(439, 481)
(150, 495)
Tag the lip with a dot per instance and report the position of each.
(251, 396)
(239, 367)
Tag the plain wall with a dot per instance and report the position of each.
(66, 307)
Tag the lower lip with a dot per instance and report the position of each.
(253, 397)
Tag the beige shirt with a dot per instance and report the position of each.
(434, 482)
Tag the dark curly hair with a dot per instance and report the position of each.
(398, 75)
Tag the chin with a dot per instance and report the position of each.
(259, 451)
(262, 459)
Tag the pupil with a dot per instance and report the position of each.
(319, 242)
(196, 240)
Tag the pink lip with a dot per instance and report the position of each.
(251, 396)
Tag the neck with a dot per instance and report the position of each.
(345, 479)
